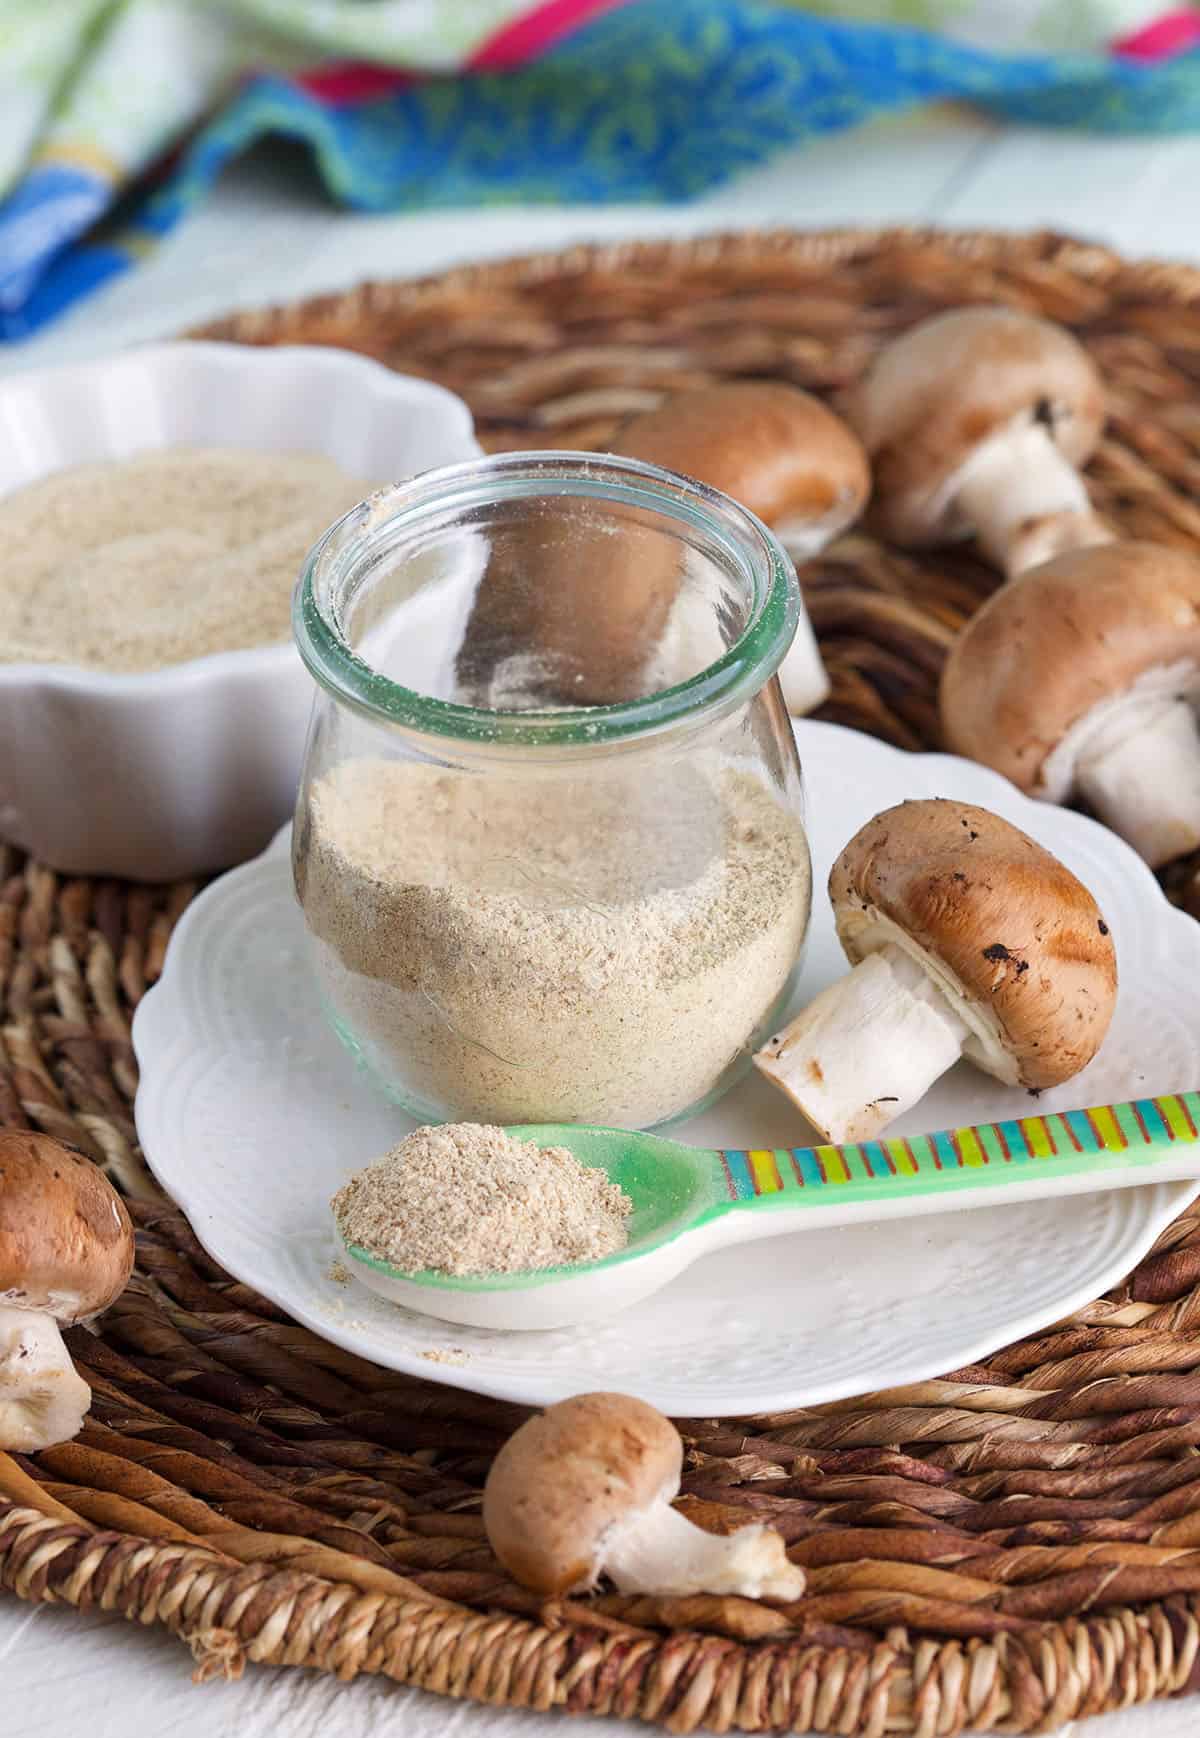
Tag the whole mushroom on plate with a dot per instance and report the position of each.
(585, 1489)
(66, 1253)
(977, 421)
(967, 939)
(1081, 679)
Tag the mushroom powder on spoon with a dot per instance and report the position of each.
(467, 1198)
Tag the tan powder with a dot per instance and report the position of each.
(465, 1199)
(587, 949)
(134, 564)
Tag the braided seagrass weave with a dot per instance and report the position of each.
(1007, 1548)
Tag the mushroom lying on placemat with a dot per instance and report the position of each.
(604, 603)
(976, 421)
(585, 1490)
(968, 939)
(66, 1253)
(783, 454)
(1080, 679)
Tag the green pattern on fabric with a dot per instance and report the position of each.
(1054, 26)
(922, 14)
(418, 33)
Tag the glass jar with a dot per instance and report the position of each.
(549, 842)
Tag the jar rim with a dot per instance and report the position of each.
(740, 673)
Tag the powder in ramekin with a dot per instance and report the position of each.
(134, 564)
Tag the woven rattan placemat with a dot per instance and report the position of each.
(1011, 1546)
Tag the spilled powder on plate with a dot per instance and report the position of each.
(468, 1199)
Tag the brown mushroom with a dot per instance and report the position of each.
(585, 1489)
(776, 449)
(583, 605)
(781, 453)
(967, 938)
(1080, 679)
(976, 421)
(66, 1253)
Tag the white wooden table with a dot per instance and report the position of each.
(268, 234)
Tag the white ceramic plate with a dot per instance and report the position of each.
(251, 1115)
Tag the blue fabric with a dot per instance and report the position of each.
(658, 100)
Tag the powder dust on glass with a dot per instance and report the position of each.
(134, 564)
(468, 1199)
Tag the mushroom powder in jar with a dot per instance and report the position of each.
(549, 846)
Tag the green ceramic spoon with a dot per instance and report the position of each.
(690, 1200)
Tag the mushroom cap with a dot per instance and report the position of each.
(1014, 932)
(66, 1242)
(777, 450)
(567, 1476)
(1056, 641)
(935, 394)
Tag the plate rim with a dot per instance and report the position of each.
(155, 1043)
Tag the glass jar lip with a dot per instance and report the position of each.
(734, 678)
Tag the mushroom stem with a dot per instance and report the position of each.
(802, 675)
(804, 537)
(43, 1399)
(867, 1048)
(691, 640)
(1025, 501)
(1142, 777)
(658, 1550)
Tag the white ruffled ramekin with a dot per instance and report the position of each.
(178, 771)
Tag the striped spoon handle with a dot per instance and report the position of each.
(1062, 1143)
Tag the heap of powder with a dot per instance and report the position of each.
(594, 947)
(134, 564)
(465, 1198)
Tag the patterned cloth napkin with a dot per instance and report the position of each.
(117, 115)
